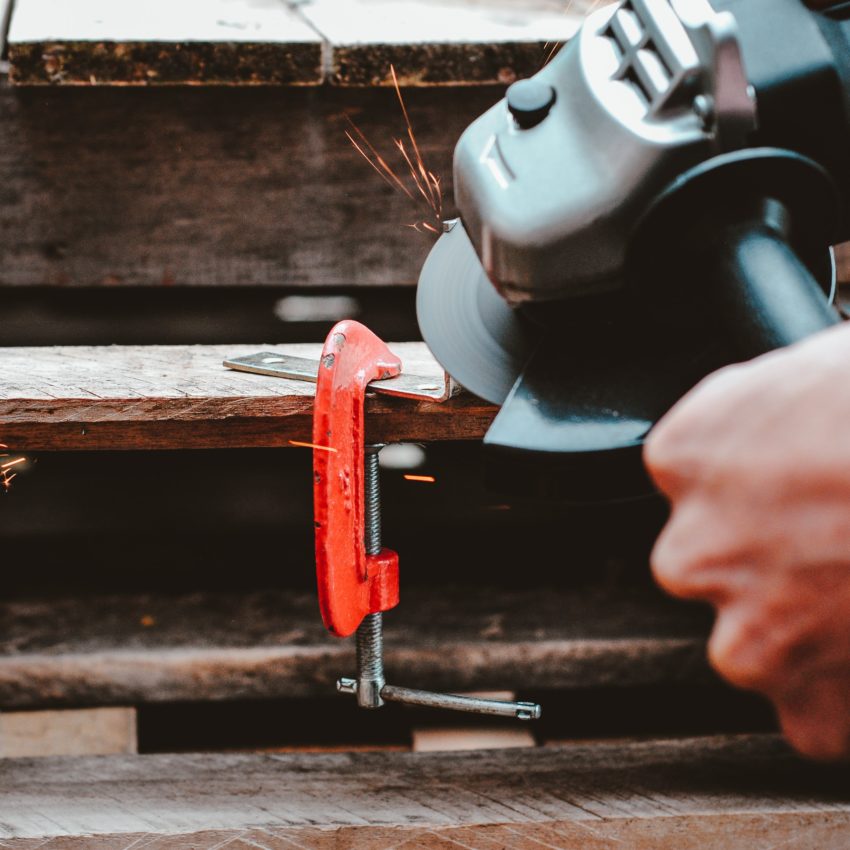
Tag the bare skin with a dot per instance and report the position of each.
(756, 464)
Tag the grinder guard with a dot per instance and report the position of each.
(622, 302)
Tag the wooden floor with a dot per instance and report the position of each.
(128, 650)
(702, 794)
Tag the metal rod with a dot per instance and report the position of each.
(455, 702)
(372, 492)
(370, 633)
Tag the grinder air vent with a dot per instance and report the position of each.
(656, 57)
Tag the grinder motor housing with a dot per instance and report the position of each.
(658, 201)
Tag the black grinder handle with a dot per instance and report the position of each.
(766, 295)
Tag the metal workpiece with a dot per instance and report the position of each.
(406, 385)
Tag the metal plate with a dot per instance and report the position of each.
(471, 331)
(406, 385)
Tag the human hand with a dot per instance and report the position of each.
(756, 464)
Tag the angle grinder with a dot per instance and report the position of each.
(657, 202)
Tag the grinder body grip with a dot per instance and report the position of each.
(766, 295)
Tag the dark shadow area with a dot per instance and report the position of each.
(336, 722)
(198, 315)
(178, 521)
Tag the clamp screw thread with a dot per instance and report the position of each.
(372, 492)
(370, 635)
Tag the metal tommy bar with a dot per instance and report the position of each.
(370, 686)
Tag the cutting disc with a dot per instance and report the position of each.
(477, 338)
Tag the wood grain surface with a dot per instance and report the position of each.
(182, 397)
(440, 43)
(344, 42)
(215, 186)
(68, 732)
(691, 794)
(210, 646)
(96, 42)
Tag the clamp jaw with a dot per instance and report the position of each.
(352, 581)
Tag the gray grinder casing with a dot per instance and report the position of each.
(535, 302)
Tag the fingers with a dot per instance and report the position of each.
(758, 649)
(816, 721)
(674, 451)
(743, 651)
(696, 555)
(668, 457)
(759, 494)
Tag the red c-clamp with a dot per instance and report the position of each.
(351, 582)
(358, 582)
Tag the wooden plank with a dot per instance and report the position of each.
(135, 649)
(697, 794)
(92, 42)
(181, 397)
(439, 43)
(106, 42)
(447, 739)
(69, 732)
(218, 186)
(215, 186)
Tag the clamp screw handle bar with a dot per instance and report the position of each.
(454, 702)
(370, 687)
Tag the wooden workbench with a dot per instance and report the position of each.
(181, 397)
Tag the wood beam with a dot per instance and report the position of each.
(182, 397)
(692, 794)
(127, 650)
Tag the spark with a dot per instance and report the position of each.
(427, 479)
(14, 462)
(147, 621)
(427, 187)
(8, 479)
(421, 226)
(384, 170)
(428, 177)
(311, 446)
(552, 51)
(550, 48)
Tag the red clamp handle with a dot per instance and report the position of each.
(351, 583)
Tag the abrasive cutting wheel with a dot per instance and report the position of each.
(477, 338)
